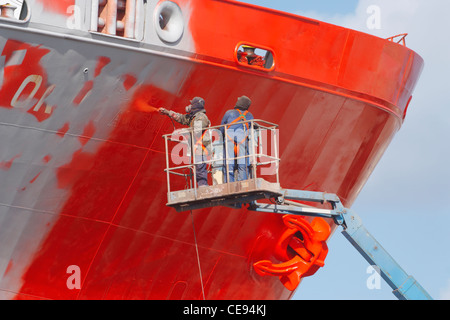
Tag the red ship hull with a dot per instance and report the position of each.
(85, 182)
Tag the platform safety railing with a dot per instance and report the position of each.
(261, 158)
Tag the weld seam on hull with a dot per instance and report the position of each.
(76, 136)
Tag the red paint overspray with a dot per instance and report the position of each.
(89, 85)
(129, 81)
(35, 178)
(88, 133)
(141, 105)
(47, 158)
(63, 130)
(59, 6)
(102, 62)
(83, 92)
(6, 165)
(97, 184)
(28, 75)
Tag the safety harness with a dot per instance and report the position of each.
(199, 143)
(241, 117)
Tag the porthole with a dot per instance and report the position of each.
(169, 22)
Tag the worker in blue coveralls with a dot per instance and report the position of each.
(236, 139)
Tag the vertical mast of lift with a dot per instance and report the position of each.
(404, 286)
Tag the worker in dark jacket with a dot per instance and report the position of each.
(197, 119)
(236, 138)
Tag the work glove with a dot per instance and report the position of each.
(163, 111)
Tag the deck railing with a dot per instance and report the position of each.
(399, 38)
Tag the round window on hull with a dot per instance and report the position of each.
(169, 22)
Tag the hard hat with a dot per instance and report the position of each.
(197, 104)
(243, 103)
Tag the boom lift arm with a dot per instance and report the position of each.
(404, 286)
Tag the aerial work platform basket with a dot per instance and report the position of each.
(258, 158)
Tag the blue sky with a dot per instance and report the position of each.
(323, 6)
(405, 203)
